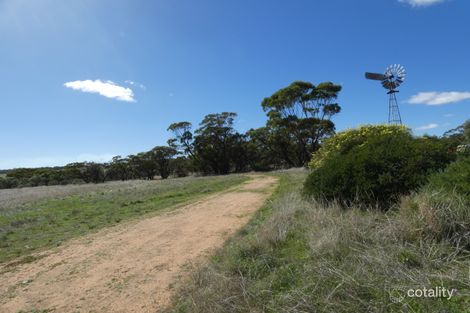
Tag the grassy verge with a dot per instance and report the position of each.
(27, 227)
(298, 256)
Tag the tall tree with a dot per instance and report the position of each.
(162, 157)
(94, 172)
(299, 116)
(119, 168)
(263, 152)
(183, 138)
(143, 165)
(215, 142)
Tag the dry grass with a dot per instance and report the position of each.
(42, 217)
(305, 257)
(436, 214)
(18, 196)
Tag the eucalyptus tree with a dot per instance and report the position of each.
(162, 157)
(142, 166)
(183, 138)
(299, 117)
(119, 168)
(265, 151)
(218, 147)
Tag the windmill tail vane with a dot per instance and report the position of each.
(391, 79)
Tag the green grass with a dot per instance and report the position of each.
(31, 226)
(299, 256)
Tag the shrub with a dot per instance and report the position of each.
(374, 165)
(344, 141)
(38, 180)
(456, 177)
(8, 182)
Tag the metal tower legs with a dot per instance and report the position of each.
(394, 116)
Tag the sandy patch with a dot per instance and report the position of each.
(130, 267)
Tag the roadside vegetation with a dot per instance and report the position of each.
(38, 222)
(311, 249)
(379, 210)
(375, 165)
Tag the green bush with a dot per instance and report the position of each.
(456, 177)
(374, 165)
(8, 182)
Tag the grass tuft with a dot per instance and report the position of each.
(300, 256)
(436, 214)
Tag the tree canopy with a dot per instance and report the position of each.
(299, 117)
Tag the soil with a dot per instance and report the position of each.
(131, 267)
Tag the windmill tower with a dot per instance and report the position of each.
(393, 77)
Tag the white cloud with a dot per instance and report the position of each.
(439, 98)
(449, 115)
(421, 3)
(107, 89)
(427, 127)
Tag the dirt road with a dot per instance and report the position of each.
(130, 267)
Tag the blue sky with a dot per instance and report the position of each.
(85, 80)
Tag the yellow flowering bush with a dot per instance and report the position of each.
(374, 165)
(345, 140)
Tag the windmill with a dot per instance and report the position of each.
(393, 77)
